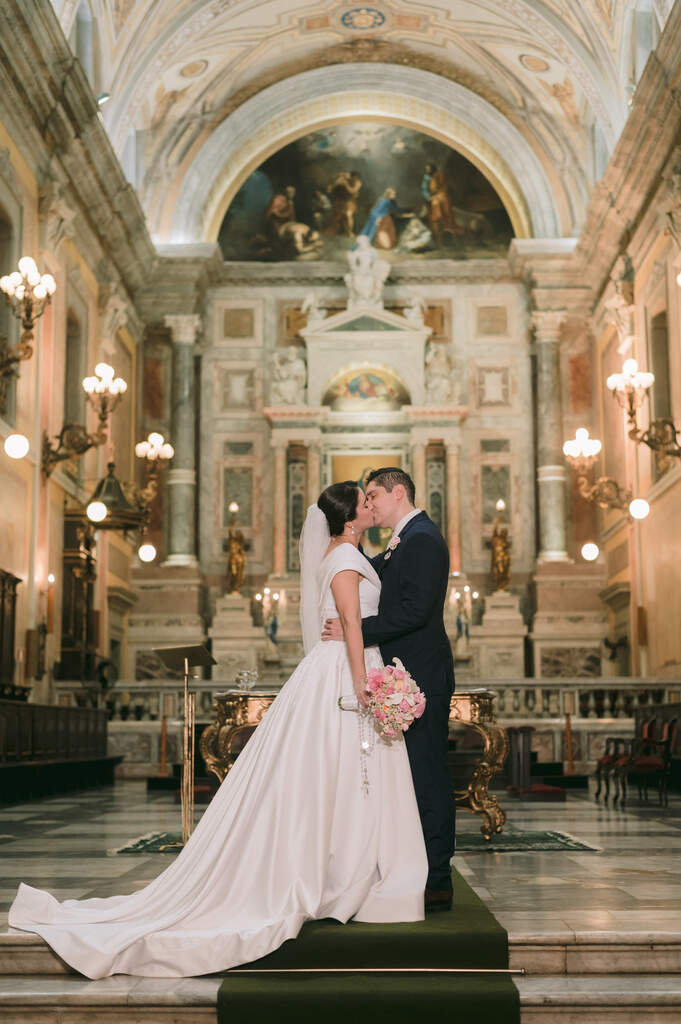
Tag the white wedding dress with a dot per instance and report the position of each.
(290, 836)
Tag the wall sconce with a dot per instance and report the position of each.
(581, 452)
(630, 388)
(104, 392)
(156, 452)
(27, 292)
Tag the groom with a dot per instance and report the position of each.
(414, 571)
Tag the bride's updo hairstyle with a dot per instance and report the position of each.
(339, 504)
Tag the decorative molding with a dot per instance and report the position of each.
(8, 174)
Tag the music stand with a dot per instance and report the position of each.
(181, 659)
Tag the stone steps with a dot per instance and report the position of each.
(547, 954)
(577, 999)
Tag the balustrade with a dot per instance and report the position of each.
(517, 699)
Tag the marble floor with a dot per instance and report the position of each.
(632, 883)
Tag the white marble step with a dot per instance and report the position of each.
(579, 999)
(540, 953)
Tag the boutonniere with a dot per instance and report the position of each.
(392, 544)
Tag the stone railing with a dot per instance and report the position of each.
(526, 699)
(144, 700)
(599, 708)
(583, 698)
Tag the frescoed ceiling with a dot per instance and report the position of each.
(559, 73)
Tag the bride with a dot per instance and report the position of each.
(317, 818)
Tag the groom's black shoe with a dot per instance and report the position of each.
(437, 900)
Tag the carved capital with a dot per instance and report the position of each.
(548, 324)
(185, 327)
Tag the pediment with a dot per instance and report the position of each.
(365, 321)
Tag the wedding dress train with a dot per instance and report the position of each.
(290, 836)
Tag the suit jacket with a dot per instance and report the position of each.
(409, 624)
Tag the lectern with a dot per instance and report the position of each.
(181, 659)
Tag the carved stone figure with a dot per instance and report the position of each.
(501, 556)
(366, 276)
(315, 314)
(290, 377)
(236, 561)
(439, 384)
(415, 310)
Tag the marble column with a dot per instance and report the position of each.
(313, 473)
(418, 472)
(182, 476)
(279, 511)
(453, 508)
(551, 472)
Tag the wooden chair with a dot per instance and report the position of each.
(654, 765)
(606, 765)
(638, 747)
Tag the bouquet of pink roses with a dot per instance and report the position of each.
(394, 699)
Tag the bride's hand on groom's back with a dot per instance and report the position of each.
(333, 630)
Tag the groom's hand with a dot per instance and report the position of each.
(333, 630)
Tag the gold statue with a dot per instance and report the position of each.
(501, 550)
(236, 554)
(236, 561)
(501, 556)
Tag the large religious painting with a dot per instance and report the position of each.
(374, 388)
(413, 196)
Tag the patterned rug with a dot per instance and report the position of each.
(509, 841)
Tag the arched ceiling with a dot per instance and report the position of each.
(558, 74)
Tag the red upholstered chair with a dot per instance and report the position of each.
(653, 765)
(640, 746)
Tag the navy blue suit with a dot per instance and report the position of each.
(409, 626)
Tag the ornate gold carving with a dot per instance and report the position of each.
(237, 714)
(476, 709)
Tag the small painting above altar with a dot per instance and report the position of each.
(411, 195)
(368, 388)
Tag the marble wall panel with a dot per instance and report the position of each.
(237, 322)
(580, 382)
(238, 388)
(573, 662)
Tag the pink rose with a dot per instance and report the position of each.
(390, 690)
(380, 715)
(419, 708)
(403, 706)
(390, 733)
(398, 673)
(389, 669)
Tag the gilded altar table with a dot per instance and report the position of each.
(239, 712)
(475, 708)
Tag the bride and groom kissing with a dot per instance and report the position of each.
(314, 820)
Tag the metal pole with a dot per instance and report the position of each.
(377, 970)
(187, 791)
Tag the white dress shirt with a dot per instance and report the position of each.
(405, 519)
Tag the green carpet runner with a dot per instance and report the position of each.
(467, 936)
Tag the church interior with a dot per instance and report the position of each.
(251, 248)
